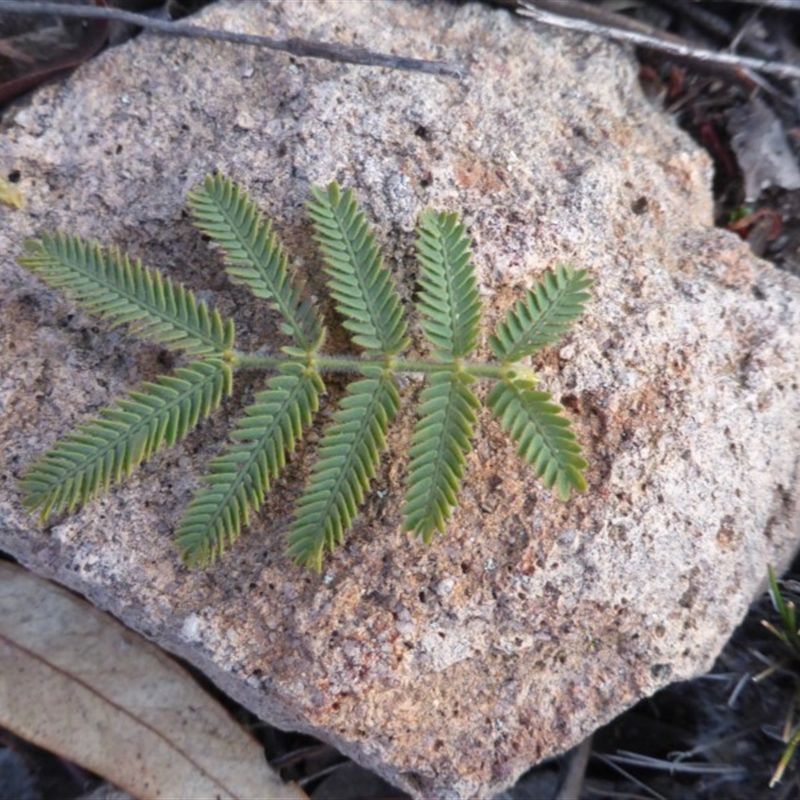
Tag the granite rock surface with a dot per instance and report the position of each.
(449, 669)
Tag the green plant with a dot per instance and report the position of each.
(789, 634)
(108, 447)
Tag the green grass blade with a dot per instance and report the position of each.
(254, 256)
(544, 436)
(109, 447)
(348, 459)
(448, 300)
(775, 594)
(239, 479)
(123, 291)
(788, 753)
(361, 286)
(442, 439)
(790, 635)
(545, 313)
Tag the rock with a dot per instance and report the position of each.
(448, 669)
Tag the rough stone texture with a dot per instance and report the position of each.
(449, 669)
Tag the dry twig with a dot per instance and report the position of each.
(302, 48)
(571, 784)
(787, 5)
(660, 44)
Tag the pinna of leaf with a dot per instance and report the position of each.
(108, 447)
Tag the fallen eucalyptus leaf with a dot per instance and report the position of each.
(76, 682)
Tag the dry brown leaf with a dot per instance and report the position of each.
(76, 682)
(762, 149)
(35, 48)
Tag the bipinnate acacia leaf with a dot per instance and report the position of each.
(442, 439)
(109, 447)
(76, 682)
(544, 315)
(239, 479)
(254, 256)
(544, 436)
(112, 286)
(448, 299)
(348, 459)
(359, 283)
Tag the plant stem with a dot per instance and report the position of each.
(323, 363)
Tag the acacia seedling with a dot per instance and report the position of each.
(105, 449)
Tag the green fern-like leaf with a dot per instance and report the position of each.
(360, 284)
(545, 438)
(544, 315)
(110, 446)
(239, 478)
(348, 459)
(448, 300)
(123, 291)
(254, 257)
(442, 439)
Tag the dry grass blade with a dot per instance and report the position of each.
(675, 767)
(76, 682)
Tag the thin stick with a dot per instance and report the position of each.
(600, 16)
(778, 69)
(302, 48)
(789, 5)
(572, 782)
(674, 767)
(607, 760)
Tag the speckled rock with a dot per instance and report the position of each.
(448, 669)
